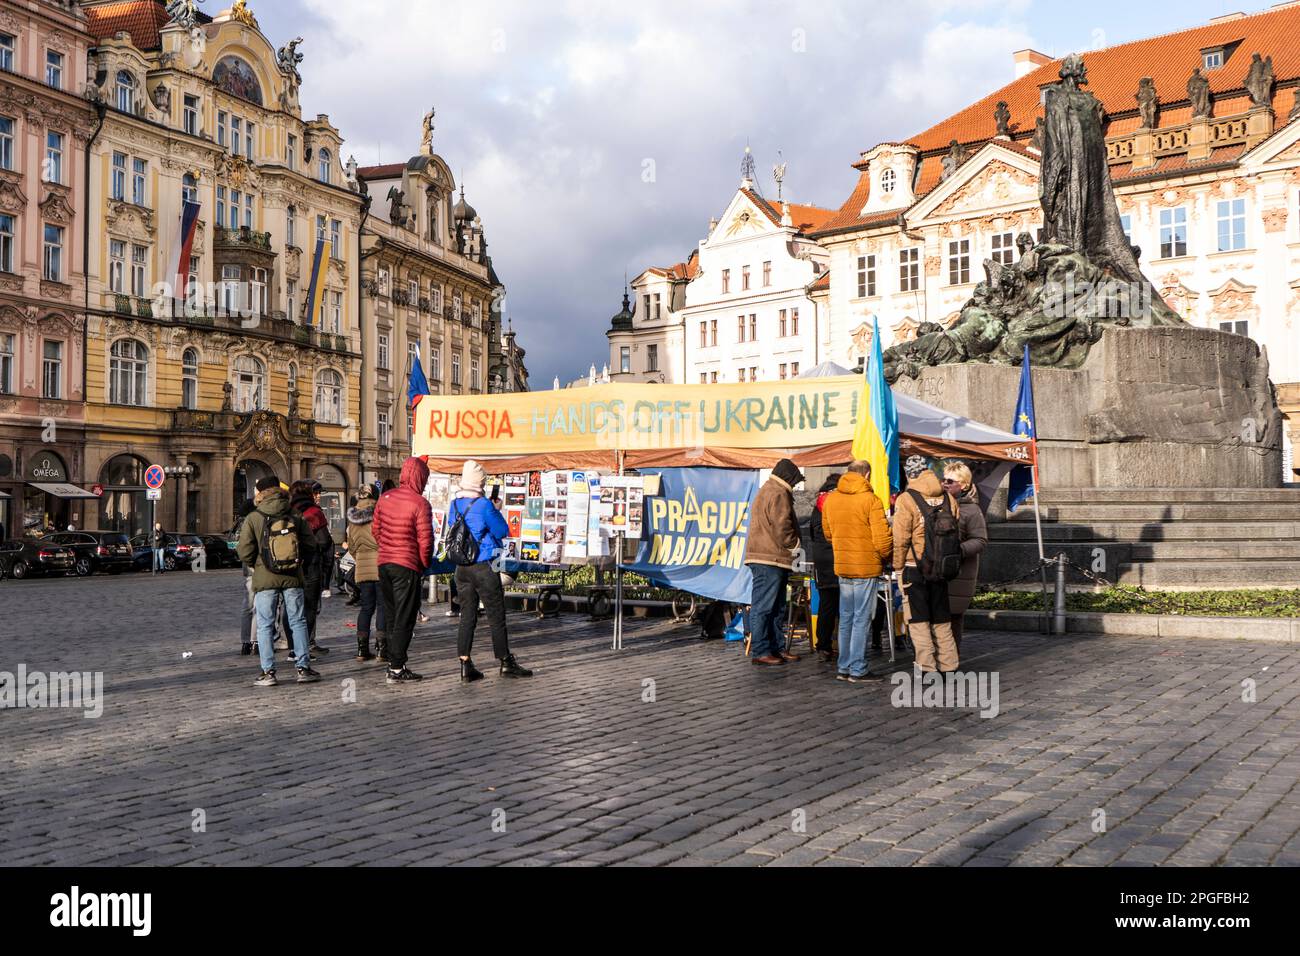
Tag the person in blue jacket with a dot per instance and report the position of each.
(479, 582)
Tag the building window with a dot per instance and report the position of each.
(385, 431)
(1126, 223)
(230, 299)
(139, 178)
(1236, 327)
(53, 158)
(794, 369)
(1173, 232)
(54, 69)
(221, 128)
(740, 328)
(250, 384)
(336, 239)
(6, 363)
(782, 324)
(794, 321)
(191, 115)
(52, 369)
(435, 364)
(6, 143)
(704, 378)
(250, 137)
(866, 276)
(1212, 59)
(117, 182)
(740, 375)
(909, 269)
(744, 278)
(753, 328)
(336, 313)
(117, 266)
(959, 262)
(125, 92)
(704, 335)
(473, 374)
(767, 274)
(652, 358)
(257, 292)
(291, 227)
(236, 134)
(784, 367)
(713, 378)
(713, 332)
(413, 292)
(1232, 225)
(190, 379)
(455, 368)
(645, 311)
(128, 373)
(6, 243)
(323, 170)
(139, 263)
(456, 307)
(383, 350)
(291, 152)
(53, 258)
(248, 210)
(1004, 248)
(236, 200)
(189, 189)
(888, 180)
(476, 315)
(726, 281)
(435, 296)
(657, 305)
(329, 397)
(625, 359)
(320, 237)
(6, 52)
(221, 205)
(193, 292)
(291, 294)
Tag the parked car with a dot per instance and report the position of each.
(220, 551)
(180, 550)
(35, 556)
(96, 551)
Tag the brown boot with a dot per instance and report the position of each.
(381, 645)
(363, 648)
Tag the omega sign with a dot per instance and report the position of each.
(47, 468)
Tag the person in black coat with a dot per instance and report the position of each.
(828, 585)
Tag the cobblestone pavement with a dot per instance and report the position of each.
(577, 767)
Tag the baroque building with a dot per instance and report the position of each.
(647, 341)
(205, 349)
(46, 131)
(428, 286)
(1203, 139)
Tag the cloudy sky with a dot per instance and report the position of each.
(553, 110)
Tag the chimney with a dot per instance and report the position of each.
(1029, 60)
(1229, 17)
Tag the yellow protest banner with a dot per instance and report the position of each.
(791, 414)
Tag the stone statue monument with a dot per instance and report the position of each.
(288, 59)
(1084, 274)
(184, 13)
(1198, 92)
(1002, 116)
(956, 156)
(1148, 102)
(426, 144)
(1259, 81)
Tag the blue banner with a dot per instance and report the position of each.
(696, 531)
(1023, 478)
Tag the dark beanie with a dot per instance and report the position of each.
(788, 472)
(267, 483)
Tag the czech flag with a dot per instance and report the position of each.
(183, 248)
(876, 439)
(417, 386)
(1024, 478)
(316, 290)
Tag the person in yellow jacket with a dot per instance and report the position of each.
(853, 520)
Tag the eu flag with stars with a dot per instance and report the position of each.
(1023, 477)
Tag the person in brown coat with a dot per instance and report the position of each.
(957, 481)
(365, 552)
(925, 603)
(854, 521)
(773, 538)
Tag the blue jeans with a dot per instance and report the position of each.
(265, 602)
(160, 559)
(767, 610)
(857, 606)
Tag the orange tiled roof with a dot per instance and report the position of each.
(682, 270)
(1113, 75)
(389, 171)
(823, 283)
(806, 218)
(142, 19)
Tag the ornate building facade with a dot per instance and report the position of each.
(217, 361)
(428, 284)
(1203, 134)
(46, 127)
(647, 340)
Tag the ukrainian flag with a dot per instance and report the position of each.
(316, 291)
(876, 439)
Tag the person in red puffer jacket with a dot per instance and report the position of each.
(403, 530)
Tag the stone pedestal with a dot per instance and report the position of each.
(1150, 408)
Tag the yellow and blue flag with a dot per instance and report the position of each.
(1024, 478)
(876, 439)
(316, 290)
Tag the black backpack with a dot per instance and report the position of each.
(462, 547)
(942, 558)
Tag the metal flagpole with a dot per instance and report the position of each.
(618, 574)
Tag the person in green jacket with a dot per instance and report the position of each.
(272, 504)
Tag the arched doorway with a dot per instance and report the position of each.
(247, 474)
(124, 506)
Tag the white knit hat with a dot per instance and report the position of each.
(472, 477)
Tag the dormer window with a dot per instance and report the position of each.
(323, 172)
(125, 92)
(1212, 59)
(888, 179)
